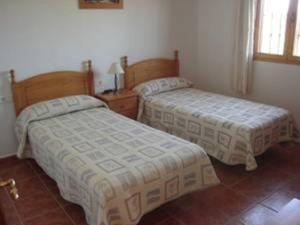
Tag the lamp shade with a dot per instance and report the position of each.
(116, 68)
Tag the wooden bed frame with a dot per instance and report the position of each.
(50, 86)
(150, 69)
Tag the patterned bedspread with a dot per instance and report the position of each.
(230, 129)
(115, 168)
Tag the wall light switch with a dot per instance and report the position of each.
(5, 99)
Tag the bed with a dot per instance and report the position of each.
(115, 168)
(231, 130)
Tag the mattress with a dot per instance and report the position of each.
(231, 130)
(117, 169)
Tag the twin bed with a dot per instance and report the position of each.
(118, 169)
(231, 130)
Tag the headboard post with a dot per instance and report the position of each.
(126, 75)
(176, 53)
(12, 76)
(177, 62)
(91, 84)
(125, 62)
(14, 90)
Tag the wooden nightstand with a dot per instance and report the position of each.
(124, 102)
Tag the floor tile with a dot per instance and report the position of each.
(201, 216)
(270, 156)
(227, 201)
(200, 209)
(76, 213)
(56, 217)
(264, 183)
(29, 186)
(233, 202)
(183, 203)
(234, 222)
(10, 213)
(53, 188)
(35, 205)
(230, 176)
(288, 161)
(278, 200)
(155, 217)
(170, 221)
(36, 167)
(57, 196)
(8, 163)
(293, 187)
(257, 215)
(48, 181)
(18, 172)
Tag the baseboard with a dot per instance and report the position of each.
(8, 155)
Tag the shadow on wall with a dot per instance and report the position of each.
(5, 89)
(8, 141)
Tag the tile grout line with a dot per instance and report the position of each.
(253, 175)
(269, 208)
(52, 195)
(171, 217)
(256, 202)
(37, 177)
(260, 202)
(14, 202)
(236, 218)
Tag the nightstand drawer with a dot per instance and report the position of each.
(132, 114)
(123, 104)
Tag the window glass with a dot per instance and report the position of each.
(273, 20)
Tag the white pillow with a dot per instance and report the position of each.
(154, 87)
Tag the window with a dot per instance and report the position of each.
(277, 35)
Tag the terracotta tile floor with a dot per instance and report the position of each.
(243, 198)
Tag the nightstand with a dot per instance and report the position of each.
(124, 102)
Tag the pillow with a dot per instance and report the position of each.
(154, 87)
(59, 106)
(48, 109)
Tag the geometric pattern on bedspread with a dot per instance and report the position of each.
(232, 130)
(47, 109)
(115, 168)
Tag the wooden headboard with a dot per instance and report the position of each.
(149, 70)
(50, 86)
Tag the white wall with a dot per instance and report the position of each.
(185, 36)
(38, 36)
(211, 22)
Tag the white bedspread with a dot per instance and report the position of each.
(232, 130)
(115, 168)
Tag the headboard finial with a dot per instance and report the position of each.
(126, 75)
(90, 65)
(91, 83)
(176, 55)
(177, 62)
(13, 77)
(125, 62)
